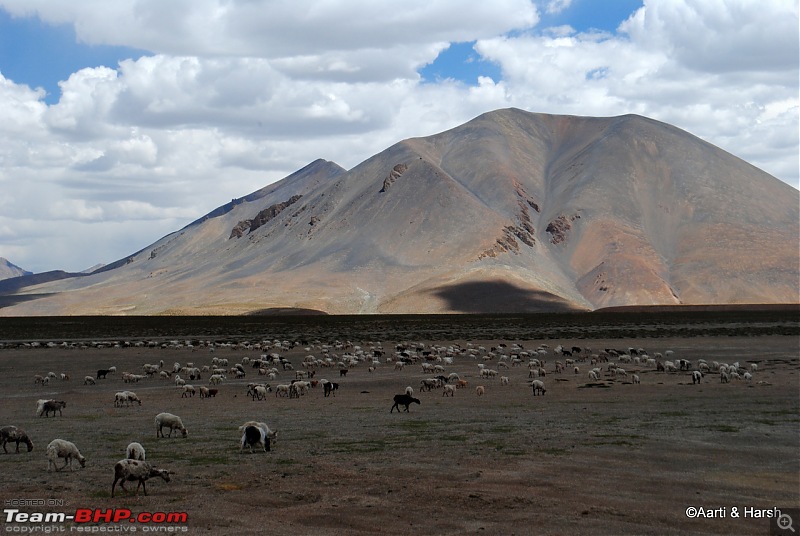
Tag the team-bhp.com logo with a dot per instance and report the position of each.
(14, 517)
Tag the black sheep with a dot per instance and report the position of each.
(403, 400)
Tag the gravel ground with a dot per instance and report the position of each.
(604, 458)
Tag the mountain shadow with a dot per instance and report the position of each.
(286, 311)
(8, 301)
(500, 297)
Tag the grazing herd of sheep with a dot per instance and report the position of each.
(476, 363)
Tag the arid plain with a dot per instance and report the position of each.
(605, 457)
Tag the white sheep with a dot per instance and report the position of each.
(119, 399)
(88, 380)
(135, 451)
(449, 390)
(59, 448)
(410, 391)
(538, 386)
(636, 378)
(136, 470)
(480, 390)
(188, 391)
(260, 392)
(172, 421)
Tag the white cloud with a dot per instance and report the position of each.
(557, 6)
(239, 94)
(277, 28)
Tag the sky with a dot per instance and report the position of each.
(121, 122)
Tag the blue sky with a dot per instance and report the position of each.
(40, 55)
(119, 155)
(460, 61)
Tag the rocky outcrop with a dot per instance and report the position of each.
(240, 229)
(560, 227)
(395, 174)
(523, 231)
(262, 218)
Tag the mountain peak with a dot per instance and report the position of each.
(9, 270)
(512, 211)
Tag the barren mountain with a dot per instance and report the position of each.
(8, 270)
(512, 211)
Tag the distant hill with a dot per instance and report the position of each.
(8, 270)
(510, 212)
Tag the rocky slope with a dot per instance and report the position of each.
(512, 211)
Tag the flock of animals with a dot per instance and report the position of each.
(478, 364)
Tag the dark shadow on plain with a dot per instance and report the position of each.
(8, 301)
(286, 311)
(500, 297)
(13, 284)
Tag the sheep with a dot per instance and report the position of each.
(125, 397)
(132, 397)
(636, 378)
(59, 448)
(88, 380)
(120, 398)
(428, 384)
(449, 390)
(461, 383)
(593, 375)
(480, 390)
(697, 377)
(136, 470)
(330, 388)
(260, 391)
(410, 391)
(173, 422)
(255, 434)
(205, 392)
(102, 373)
(188, 391)
(297, 389)
(216, 379)
(538, 386)
(403, 400)
(723, 377)
(283, 389)
(17, 435)
(44, 407)
(135, 451)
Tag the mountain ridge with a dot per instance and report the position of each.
(520, 211)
